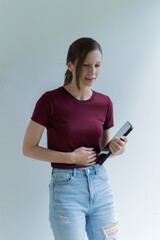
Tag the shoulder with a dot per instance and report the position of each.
(50, 93)
(103, 97)
(55, 92)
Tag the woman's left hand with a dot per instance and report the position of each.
(117, 146)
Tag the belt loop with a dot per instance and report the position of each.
(96, 166)
(95, 169)
(74, 172)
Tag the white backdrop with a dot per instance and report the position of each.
(35, 36)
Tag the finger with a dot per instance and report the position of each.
(92, 155)
(90, 164)
(116, 146)
(124, 138)
(91, 159)
(91, 152)
(88, 149)
(112, 150)
(87, 163)
(120, 142)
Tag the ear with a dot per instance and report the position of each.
(70, 66)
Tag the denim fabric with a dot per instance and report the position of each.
(81, 199)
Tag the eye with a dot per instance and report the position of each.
(87, 65)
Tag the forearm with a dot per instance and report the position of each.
(48, 155)
(105, 147)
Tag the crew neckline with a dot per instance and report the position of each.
(78, 100)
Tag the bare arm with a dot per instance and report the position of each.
(31, 149)
(105, 139)
(115, 145)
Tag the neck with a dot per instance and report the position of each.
(83, 94)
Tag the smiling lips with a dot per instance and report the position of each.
(90, 79)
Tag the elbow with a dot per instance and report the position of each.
(26, 150)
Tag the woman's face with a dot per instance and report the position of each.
(90, 70)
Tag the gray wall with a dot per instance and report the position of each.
(35, 36)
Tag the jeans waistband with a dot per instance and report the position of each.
(78, 171)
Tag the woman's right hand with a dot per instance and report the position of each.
(84, 156)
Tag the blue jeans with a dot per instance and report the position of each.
(81, 200)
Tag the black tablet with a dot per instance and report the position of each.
(124, 131)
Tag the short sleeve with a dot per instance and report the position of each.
(109, 122)
(42, 110)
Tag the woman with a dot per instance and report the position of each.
(78, 122)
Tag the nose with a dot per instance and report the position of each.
(92, 70)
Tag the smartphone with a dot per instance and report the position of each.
(124, 131)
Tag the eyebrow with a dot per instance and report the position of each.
(96, 62)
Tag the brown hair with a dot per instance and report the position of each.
(78, 50)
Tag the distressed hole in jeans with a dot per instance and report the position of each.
(64, 219)
(111, 230)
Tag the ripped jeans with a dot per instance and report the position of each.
(81, 200)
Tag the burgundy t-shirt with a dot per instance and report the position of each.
(73, 123)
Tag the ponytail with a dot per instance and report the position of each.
(68, 77)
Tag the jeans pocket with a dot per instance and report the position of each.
(62, 178)
(102, 172)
